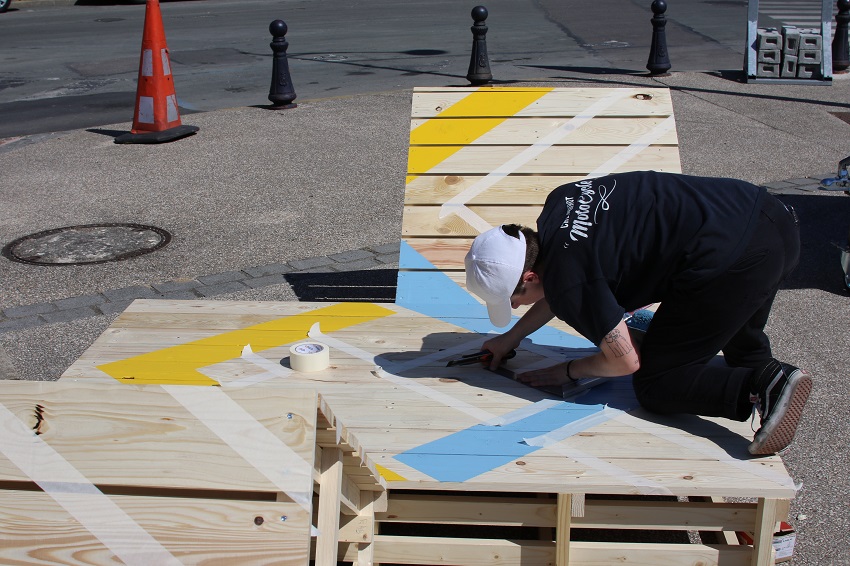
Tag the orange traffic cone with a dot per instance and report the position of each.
(156, 118)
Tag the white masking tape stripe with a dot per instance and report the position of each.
(525, 412)
(272, 370)
(457, 204)
(572, 428)
(532, 151)
(315, 333)
(465, 347)
(645, 485)
(425, 391)
(247, 437)
(713, 453)
(634, 149)
(78, 496)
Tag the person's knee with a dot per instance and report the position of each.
(650, 394)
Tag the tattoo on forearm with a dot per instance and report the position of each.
(619, 345)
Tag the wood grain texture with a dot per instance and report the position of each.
(35, 530)
(141, 436)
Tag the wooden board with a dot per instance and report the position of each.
(96, 471)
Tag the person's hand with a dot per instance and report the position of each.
(499, 346)
(552, 375)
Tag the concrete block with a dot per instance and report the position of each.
(81, 301)
(351, 255)
(171, 286)
(130, 293)
(789, 67)
(767, 70)
(769, 38)
(808, 71)
(31, 310)
(769, 56)
(272, 269)
(310, 263)
(809, 56)
(387, 248)
(811, 41)
(222, 288)
(790, 40)
(225, 277)
(70, 314)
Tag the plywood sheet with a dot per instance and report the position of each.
(411, 419)
(481, 157)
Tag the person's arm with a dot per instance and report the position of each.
(536, 316)
(617, 357)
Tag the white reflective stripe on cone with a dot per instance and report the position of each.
(147, 63)
(145, 110)
(166, 67)
(171, 108)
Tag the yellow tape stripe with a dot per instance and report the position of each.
(494, 105)
(178, 365)
(389, 475)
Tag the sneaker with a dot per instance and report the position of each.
(780, 404)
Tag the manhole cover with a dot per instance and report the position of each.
(91, 243)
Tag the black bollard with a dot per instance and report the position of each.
(658, 63)
(479, 65)
(281, 92)
(840, 55)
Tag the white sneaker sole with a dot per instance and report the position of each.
(778, 432)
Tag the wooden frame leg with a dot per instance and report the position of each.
(562, 529)
(763, 536)
(330, 487)
(366, 551)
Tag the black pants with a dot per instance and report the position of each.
(728, 314)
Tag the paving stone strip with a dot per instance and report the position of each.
(205, 286)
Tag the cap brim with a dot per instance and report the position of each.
(500, 313)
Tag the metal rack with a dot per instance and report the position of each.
(751, 54)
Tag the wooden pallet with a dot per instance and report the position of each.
(404, 452)
(384, 434)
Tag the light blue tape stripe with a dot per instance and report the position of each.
(434, 294)
(481, 448)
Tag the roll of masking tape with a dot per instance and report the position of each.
(309, 356)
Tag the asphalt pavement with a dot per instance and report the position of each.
(306, 204)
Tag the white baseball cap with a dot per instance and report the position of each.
(494, 267)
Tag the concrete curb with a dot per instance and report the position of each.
(113, 301)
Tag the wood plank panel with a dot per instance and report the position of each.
(527, 131)
(555, 103)
(495, 552)
(425, 220)
(579, 160)
(536, 512)
(35, 530)
(514, 189)
(123, 435)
